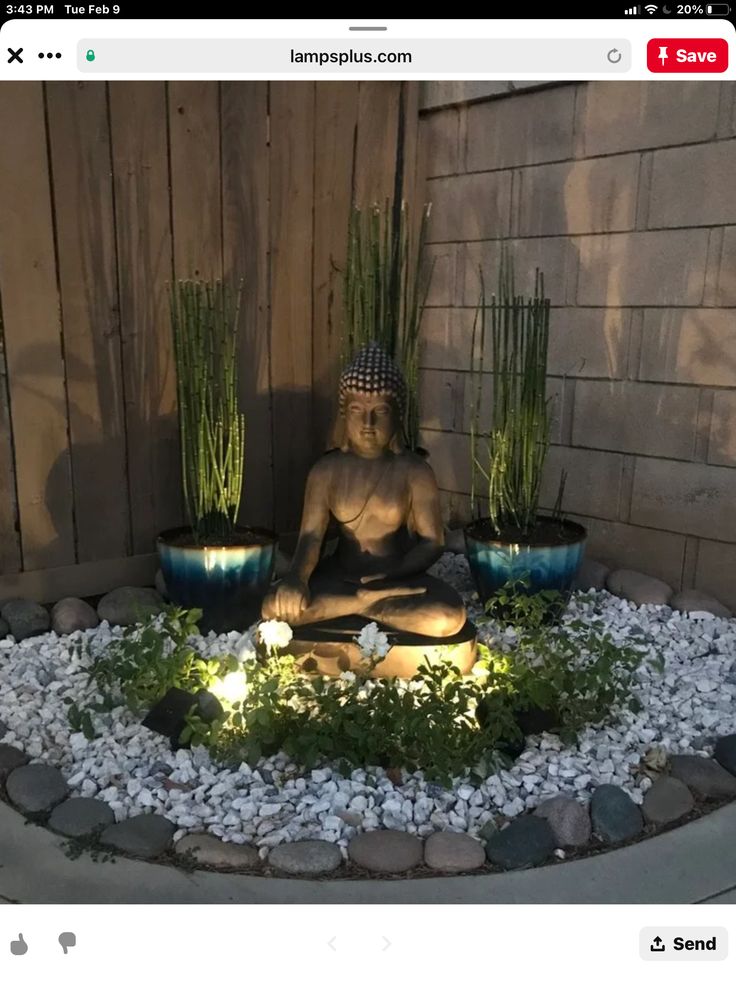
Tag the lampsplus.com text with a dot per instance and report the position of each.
(350, 57)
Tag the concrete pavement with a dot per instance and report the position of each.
(694, 863)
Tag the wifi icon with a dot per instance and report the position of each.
(651, 8)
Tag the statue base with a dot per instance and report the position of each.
(329, 648)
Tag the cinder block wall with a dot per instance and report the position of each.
(624, 194)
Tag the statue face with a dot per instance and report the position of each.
(370, 423)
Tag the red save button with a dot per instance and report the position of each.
(687, 54)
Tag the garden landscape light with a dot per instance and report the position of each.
(232, 688)
(168, 716)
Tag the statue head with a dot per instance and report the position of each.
(372, 399)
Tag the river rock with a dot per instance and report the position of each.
(667, 800)
(144, 836)
(305, 857)
(591, 575)
(638, 588)
(385, 851)
(10, 759)
(693, 601)
(129, 604)
(159, 584)
(526, 842)
(212, 851)
(614, 815)
(72, 614)
(725, 753)
(79, 817)
(568, 819)
(36, 788)
(450, 851)
(455, 541)
(707, 779)
(25, 618)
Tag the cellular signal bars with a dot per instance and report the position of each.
(632, 12)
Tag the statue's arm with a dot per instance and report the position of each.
(315, 518)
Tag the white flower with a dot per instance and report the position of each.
(245, 647)
(372, 641)
(275, 634)
(347, 676)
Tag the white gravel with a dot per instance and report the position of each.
(135, 771)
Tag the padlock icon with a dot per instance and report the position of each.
(90, 55)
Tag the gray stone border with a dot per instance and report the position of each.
(686, 865)
(560, 827)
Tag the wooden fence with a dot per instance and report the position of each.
(107, 192)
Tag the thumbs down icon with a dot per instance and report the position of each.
(67, 940)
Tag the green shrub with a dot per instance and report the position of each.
(441, 722)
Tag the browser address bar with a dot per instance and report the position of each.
(454, 56)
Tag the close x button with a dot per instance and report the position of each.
(687, 54)
(699, 943)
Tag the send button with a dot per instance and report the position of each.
(683, 943)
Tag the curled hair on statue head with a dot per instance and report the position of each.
(372, 372)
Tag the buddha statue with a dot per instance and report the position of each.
(384, 504)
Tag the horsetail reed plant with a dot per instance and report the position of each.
(509, 454)
(385, 290)
(204, 318)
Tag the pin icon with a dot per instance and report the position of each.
(19, 946)
(67, 940)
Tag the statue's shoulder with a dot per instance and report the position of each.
(326, 465)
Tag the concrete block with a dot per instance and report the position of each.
(442, 288)
(449, 458)
(446, 338)
(593, 483)
(444, 400)
(469, 207)
(651, 551)
(438, 92)
(643, 268)
(447, 401)
(580, 197)
(622, 115)
(528, 128)
(441, 132)
(634, 417)
(693, 186)
(557, 258)
(715, 572)
(725, 291)
(694, 498)
(722, 441)
(695, 347)
(589, 343)
(456, 510)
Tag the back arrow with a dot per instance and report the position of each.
(331, 944)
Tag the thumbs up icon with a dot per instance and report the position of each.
(19, 946)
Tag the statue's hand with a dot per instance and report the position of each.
(373, 578)
(371, 594)
(290, 600)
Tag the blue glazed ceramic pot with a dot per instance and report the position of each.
(227, 582)
(551, 564)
